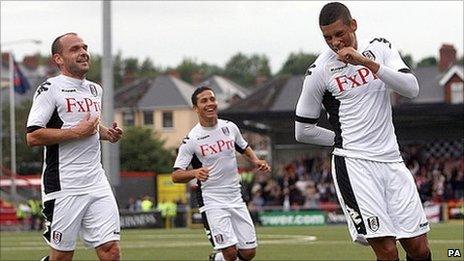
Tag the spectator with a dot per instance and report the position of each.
(147, 204)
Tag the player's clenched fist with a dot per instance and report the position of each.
(263, 166)
(351, 56)
(201, 174)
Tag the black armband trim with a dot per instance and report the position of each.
(31, 129)
(404, 70)
(240, 150)
(306, 120)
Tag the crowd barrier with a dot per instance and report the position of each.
(277, 216)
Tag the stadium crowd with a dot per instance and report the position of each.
(307, 183)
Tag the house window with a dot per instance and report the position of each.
(167, 119)
(457, 92)
(128, 118)
(148, 118)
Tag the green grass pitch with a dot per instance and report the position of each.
(275, 243)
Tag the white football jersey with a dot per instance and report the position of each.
(214, 148)
(71, 167)
(356, 100)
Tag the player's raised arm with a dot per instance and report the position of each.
(394, 72)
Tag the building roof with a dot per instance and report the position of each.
(164, 91)
(429, 89)
(279, 94)
(456, 69)
(226, 87)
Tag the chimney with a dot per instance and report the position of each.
(197, 78)
(174, 73)
(5, 59)
(447, 57)
(260, 79)
(31, 62)
(128, 78)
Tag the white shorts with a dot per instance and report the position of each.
(226, 227)
(379, 199)
(94, 216)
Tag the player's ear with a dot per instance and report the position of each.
(353, 25)
(58, 59)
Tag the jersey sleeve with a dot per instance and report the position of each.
(308, 107)
(392, 58)
(42, 108)
(240, 143)
(185, 155)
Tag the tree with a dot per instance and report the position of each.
(211, 69)
(147, 69)
(427, 61)
(297, 63)
(94, 73)
(408, 60)
(118, 70)
(140, 151)
(187, 68)
(131, 65)
(244, 70)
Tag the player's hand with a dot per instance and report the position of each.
(263, 166)
(114, 133)
(86, 127)
(201, 174)
(351, 56)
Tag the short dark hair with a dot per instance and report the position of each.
(56, 45)
(331, 12)
(198, 91)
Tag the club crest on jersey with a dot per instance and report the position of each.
(368, 54)
(225, 130)
(93, 90)
(373, 223)
(219, 239)
(57, 237)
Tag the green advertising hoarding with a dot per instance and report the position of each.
(292, 218)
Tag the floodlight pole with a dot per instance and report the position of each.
(110, 152)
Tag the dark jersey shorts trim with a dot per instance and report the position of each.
(31, 129)
(196, 164)
(47, 211)
(51, 179)
(346, 190)
(405, 70)
(306, 120)
(207, 228)
(332, 106)
(240, 150)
